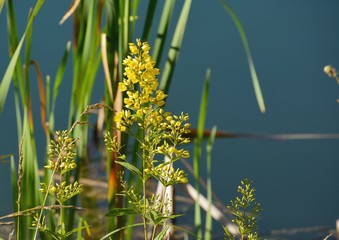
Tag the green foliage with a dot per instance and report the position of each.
(246, 210)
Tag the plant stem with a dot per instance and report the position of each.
(144, 179)
(144, 210)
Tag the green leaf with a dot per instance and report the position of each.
(131, 167)
(162, 234)
(117, 212)
(74, 230)
(254, 76)
(6, 80)
(119, 229)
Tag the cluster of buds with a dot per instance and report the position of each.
(167, 175)
(61, 160)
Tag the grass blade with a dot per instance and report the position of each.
(255, 81)
(166, 16)
(6, 80)
(208, 224)
(197, 150)
(149, 19)
(173, 53)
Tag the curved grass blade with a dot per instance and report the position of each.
(173, 53)
(254, 76)
(6, 80)
(106, 66)
(120, 229)
(70, 11)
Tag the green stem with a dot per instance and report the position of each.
(144, 179)
(144, 210)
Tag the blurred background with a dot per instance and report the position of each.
(297, 181)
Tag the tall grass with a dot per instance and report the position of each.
(102, 31)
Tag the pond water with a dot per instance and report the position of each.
(297, 181)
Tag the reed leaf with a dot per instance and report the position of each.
(165, 20)
(255, 81)
(197, 150)
(209, 146)
(6, 80)
(152, 4)
(173, 53)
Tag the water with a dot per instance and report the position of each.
(291, 42)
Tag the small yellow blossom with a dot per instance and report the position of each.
(122, 86)
(133, 48)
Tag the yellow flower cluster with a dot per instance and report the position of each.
(140, 84)
(61, 153)
(143, 106)
(61, 160)
(140, 68)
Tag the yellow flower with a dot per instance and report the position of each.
(122, 86)
(118, 117)
(133, 48)
(145, 47)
